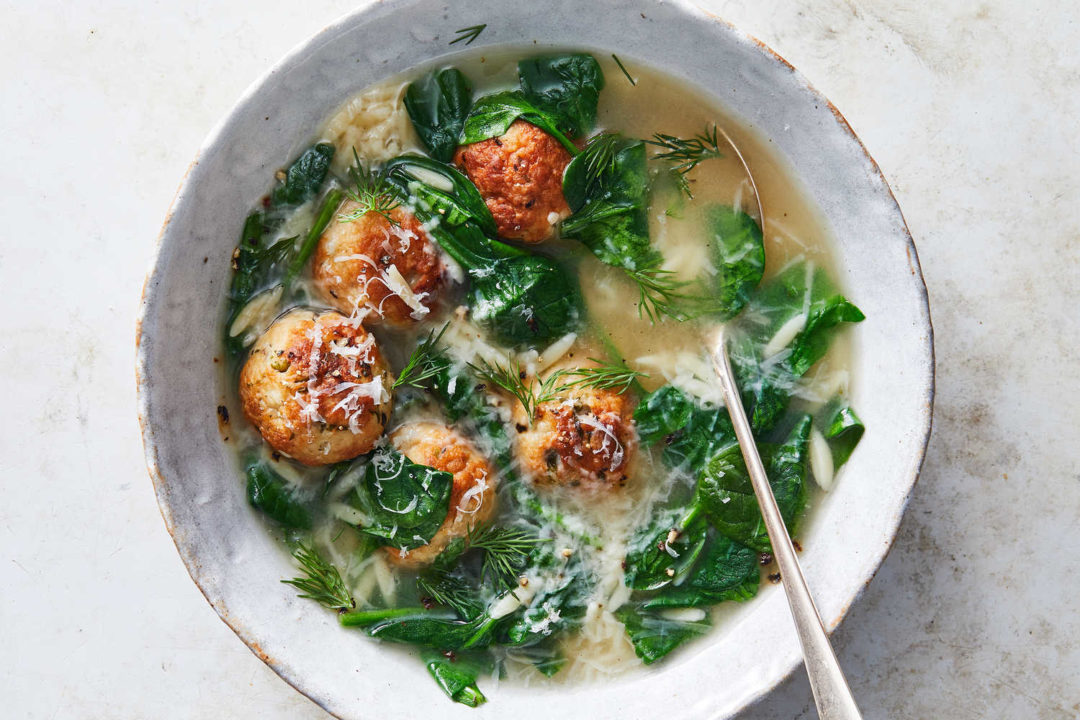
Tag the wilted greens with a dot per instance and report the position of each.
(259, 259)
(507, 378)
(519, 296)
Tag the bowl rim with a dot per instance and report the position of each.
(293, 56)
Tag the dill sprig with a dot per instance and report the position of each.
(604, 376)
(371, 191)
(505, 551)
(512, 379)
(660, 294)
(623, 68)
(468, 34)
(323, 583)
(424, 363)
(532, 392)
(687, 153)
(443, 589)
(599, 159)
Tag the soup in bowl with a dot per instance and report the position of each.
(463, 391)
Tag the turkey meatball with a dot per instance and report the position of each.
(316, 387)
(472, 496)
(390, 268)
(519, 174)
(584, 437)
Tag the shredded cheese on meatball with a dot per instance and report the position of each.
(591, 421)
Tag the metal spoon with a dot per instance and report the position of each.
(831, 692)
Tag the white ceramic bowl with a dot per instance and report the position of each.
(236, 563)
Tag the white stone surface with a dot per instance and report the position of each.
(971, 109)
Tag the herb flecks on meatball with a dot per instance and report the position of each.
(316, 387)
(582, 437)
(384, 265)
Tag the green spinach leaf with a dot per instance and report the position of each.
(438, 104)
(303, 178)
(801, 302)
(607, 189)
(664, 551)
(405, 503)
(739, 256)
(609, 199)
(691, 430)
(566, 86)
(270, 493)
(726, 494)
(440, 192)
(842, 429)
(457, 678)
(653, 635)
(520, 297)
(492, 116)
(727, 571)
(259, 259)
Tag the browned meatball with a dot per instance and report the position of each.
(393, 270)
(583, 437)
(520, 176)
(316, 387)
(472, 497)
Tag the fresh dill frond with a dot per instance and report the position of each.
(322, 583)
(623, 68)
(468, 34)
(599, 159)
(683, 185)
(660, 294)
(443, 589)
(424, 363)
(604, 376)
(371, 191)
(505, 551)
(532, 392)
(687, 153)
(512, 379)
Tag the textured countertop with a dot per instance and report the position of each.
(970, 108)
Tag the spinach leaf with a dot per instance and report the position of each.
(800, 301)
(303, 178)
(739, 257)
(520, 297)
(653, 635)
(259, 259)
(440, 633)
(607, 188)
(271, 493)
(726, 494)
(609, 200)
(843, 430)
(454, 203)
(405, 503)
(652, 562)
(492, 116)
(555, 611)
(691, 430)
(456, 677)
(558, 607)
(727, 571)
(566, 86)
(438, 104)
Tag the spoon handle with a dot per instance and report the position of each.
(831, 692)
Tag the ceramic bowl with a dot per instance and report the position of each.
(237, 564)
